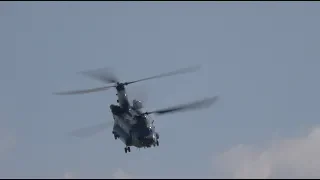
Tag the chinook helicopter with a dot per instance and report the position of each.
(132, 125)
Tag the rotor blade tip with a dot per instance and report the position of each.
(197, 66)
(56, 93)
(214, 98)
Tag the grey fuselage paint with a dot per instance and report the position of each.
(132, 128)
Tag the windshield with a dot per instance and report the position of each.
(146, 131)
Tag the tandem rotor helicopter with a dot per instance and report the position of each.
(133, 126)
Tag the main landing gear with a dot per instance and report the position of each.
(115, 135)
(127, 149)
(157, 143)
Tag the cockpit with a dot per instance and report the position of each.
(146, 131)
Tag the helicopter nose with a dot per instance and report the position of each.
(148, 139)
(151, 137)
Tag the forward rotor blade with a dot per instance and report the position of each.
(180, 71)
(90, 131)
(83, 91)
(103, 74)
(205, 103)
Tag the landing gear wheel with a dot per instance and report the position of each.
(127, 149)
(115, 135)
(157, 143)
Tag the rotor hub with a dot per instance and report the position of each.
(120, 86)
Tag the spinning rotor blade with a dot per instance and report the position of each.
(180, 71)
(83, 91)
(103, 74)
(107, 76)
(92, 130)
(184, 107)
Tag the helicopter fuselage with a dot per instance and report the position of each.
(133, 132)
(130, 126)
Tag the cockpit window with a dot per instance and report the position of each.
(146, 131)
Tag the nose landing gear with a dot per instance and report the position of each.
(127, 149)
(157, 143)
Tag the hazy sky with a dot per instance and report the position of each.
(261, 58)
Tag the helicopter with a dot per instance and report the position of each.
(132, 125)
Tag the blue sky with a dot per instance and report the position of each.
(261, 58)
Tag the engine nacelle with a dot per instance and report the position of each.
(137, 104)
(123, 136)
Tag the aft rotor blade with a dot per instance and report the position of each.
(84, 91)
(205, 103)
(90, 131)
(103, 74)
(180, 71)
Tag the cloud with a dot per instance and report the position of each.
(282, 158)
(69, 175)
(120, 174)
(287, 158)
